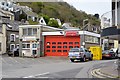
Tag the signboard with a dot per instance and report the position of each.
(71, 33)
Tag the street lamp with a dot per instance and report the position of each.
(84, 26)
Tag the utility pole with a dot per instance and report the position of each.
(83, 42)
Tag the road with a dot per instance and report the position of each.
(49, 67)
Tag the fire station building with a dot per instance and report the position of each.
(53, 41)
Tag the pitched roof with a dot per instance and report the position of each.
(30, 13)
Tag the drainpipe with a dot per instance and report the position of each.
(115, 12)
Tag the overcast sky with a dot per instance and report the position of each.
(91, 6)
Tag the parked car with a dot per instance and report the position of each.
(79, 54)
(108, 54)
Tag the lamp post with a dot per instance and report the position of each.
(83, 43)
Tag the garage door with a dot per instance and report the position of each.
(60, 45)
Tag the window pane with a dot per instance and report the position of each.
(59, 43)
(48, 46)
(53, 46)
(64, 46)
(34, 52)
(34, 45)
(12, 37)
(53, 50)
(59, 46)
(70, 42)
(29, 31)
(59, 51)
(24, 31)
(70, 46)
(23, 46)
(53, 42)
(64, 50)
(12, 47)
(76, 42)
(34, 31)
(28, 45)
(64, 42)
(48, 51)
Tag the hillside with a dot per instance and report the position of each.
(63, 11)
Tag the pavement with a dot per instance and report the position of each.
(112, 71)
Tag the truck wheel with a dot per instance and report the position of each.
(72, 60)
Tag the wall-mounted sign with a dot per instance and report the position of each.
(71, 33)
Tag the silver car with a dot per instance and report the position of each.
(79, 54)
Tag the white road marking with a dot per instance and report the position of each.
(32, 76)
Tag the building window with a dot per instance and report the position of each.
(53, 42)
(64, 50)
(48, 46)
(70, 42)
(12, 46)
(7, 4)
(0, 47)
(25, 45)
(53, 46)
(70, 46)
(64, 46)
(76, 42)
(76, 46)
(34, 45)
(29, 31)
(53, 50)
(48, 51)
(64, 42)
(34, 52)
(59, 46)
(24, 31)
(34, 31)
(48, 43)
(59, 51)
(12, 37)
(59, 43)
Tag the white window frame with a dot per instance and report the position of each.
(17, 45)
(11, 37)
(11, 45)
(25, 45)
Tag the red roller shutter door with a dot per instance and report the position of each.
(60, 45)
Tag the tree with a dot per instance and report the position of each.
(53, 23)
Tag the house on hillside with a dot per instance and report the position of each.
(11, 32)
(29, 13)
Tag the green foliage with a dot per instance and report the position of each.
(63, 11)
(53, 23)
(22, 16)
(32, 22)
(46, 17)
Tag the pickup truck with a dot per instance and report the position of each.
(79, 54)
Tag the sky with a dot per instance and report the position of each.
(91, 6)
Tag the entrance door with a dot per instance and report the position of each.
(60, 45)
(34, 48)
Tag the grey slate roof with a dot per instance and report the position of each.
(12, 25)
